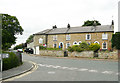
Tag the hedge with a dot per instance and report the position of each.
(10, 62)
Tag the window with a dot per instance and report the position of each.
(104, 45)
(104, 36)
(67, 37)
(75, 43)
(67, 45)
(96, 42)
(88, 36)
(54, 45)
(41, 41)
(55, 37)
(79, 42)
(61, 45)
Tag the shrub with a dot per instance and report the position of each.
(10, 62)
(94, 46)
(54, 48)
(70, 49)
(84, 46)
(42, 48)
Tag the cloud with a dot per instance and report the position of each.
(37, 15)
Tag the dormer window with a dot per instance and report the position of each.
(88, 36)
(104, 36)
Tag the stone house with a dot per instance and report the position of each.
(69, 36)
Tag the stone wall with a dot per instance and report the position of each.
(70, 54)
(84, 54)
(79, 37)
(109, 55)
(52, 53)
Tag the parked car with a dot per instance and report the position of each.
(20, 50)
(29, 50)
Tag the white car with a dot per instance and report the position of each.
(20, 50)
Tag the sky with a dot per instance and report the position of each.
(37, 15)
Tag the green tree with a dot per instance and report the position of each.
(91, 23)
(10, 28)
(20, 46)
(116, 40)
(30, 39)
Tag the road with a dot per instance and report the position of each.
(64, 69)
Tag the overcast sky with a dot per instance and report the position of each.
(37, 15)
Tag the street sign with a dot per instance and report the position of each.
(4, 55)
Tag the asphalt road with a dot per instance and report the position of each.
(64, 69)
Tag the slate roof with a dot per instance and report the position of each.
(79, 29)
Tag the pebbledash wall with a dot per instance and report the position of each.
(84, 54)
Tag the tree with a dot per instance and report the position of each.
(30, 39)
(10, 28)
(91, 23)
(116, 40)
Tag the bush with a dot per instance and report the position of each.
(70, 49)
(94, 46)
(42, 48)
(84, 46)
(10, 62)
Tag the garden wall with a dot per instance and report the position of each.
(84, 54)
(52, 52)
(109, 55)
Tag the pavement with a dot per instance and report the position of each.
(25, 67)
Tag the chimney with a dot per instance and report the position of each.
(68, 26)
(54, 27)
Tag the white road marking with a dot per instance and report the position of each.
(64, 68)
(83, 69)
(117, 73)
(41, 65)
(107, 72)
(93, 71)
(73, 68)
(51, 72)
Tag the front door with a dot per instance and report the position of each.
(37, 49)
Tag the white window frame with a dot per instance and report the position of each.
(67, 46)
(62, 43)
(68, 37)
(55, 38)
(87, 35)
(96, 42)
(104, 36)
(75, 42)
(106, 45)
(79, 42)
(40, 41)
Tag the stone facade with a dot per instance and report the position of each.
(65, 37)
(79, 37)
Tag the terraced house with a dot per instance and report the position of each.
(69, 36)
